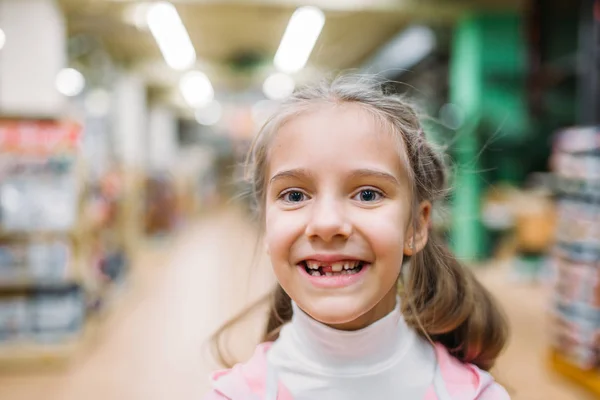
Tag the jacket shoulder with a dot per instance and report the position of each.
(467, 381)
(244, 380)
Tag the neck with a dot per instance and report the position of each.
(383, 308)
(341, 349)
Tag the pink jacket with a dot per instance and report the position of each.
(248, 381)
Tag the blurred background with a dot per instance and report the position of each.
(124, 242)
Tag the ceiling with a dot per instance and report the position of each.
(235, 40)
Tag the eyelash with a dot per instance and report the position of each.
(377, 192)
(289, 191)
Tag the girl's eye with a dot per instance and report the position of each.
(368, 195)
(293, 196)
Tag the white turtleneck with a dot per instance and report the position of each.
(386, 360)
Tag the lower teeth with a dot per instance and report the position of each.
(352, 271)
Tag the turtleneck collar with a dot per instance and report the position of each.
(369, 349)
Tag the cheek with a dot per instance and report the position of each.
(281, 230)
(385, 231)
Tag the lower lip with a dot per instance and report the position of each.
(332, 282)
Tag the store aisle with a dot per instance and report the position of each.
(152, 347)
(523, 367)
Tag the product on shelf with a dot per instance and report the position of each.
(576, 253)
(42, 315)
(42, 297)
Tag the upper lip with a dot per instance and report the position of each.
(331, 258)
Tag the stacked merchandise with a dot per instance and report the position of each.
(105, 241)
(576, 254)
(41, 298)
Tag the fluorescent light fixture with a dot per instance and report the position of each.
(2, 39)
(278, 86)
(170, 35)
(196, 89)
(137, 15)
(210, 114)
(403, 51)
(69, 82)
(299, 39)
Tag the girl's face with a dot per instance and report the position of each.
(337, 215)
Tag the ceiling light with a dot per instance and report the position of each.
(196, 89)
(69, 82)
(403, 52)
(2, 39)
(278, 86)
(299, 39)
(210, 114)
(171, 36)
(137, 15)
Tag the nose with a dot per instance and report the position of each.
(328, 221)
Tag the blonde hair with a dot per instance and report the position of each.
(440, 298)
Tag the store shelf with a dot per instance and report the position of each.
(23, 284)
(30, 235)
(28, 354)
(588, 379)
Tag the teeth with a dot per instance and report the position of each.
(338, 266)
(313, 265)
(350, 264)
(328, 273)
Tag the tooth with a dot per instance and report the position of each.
(312, 265)
(337, 267)
(328, 274)
(315, 273)
(347, 265)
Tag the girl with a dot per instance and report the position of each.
(345, 181)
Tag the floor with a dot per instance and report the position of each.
(154, 344)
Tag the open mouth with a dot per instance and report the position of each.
(340, 268)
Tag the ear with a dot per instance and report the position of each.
(415, 241)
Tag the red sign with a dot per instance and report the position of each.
(38, 137)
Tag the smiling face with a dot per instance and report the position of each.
(337, 214)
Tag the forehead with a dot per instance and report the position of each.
(333, 136)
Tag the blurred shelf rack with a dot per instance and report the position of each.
(590, 379)
(53, 244)
(576, 257)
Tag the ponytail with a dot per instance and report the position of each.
(446, 303)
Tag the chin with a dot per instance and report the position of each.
(334, 310)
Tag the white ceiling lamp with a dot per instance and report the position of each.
(196, 89)
(299, 39)
(137, 15)
(278, 86)
(171, 36)
(2, 39)
(69, 82)
(210, 114)
(402, 52)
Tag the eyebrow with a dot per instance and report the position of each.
(371, 173)
(303, 174)
(299, 173)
